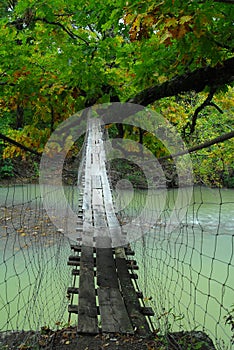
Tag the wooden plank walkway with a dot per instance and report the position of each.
(103, 292)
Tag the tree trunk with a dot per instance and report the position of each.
(19, 117)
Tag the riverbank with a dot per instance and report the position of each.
(24, 171)
(68, 339)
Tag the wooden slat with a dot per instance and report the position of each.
(114, 317)
(132, 264)
(134, 276)
(76, 272)
(139, 295)
(131, 299)
(88, 231)
(87, 309)
(76, 247)
(74, 258)
(106, 269)
(97, 199)
(73, 263)
(96, 181)
(100, 224)
(73, 309)
(87, 201)
(147, 311)
(72, 290)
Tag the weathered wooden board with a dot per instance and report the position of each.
(97, 199)
(87, 309)
(106, 269)
(114, 316)
(96, 158)
(99, 215)
(96, 181)
(100, 222)
(76, 247)
(131, 299)
(72, 290)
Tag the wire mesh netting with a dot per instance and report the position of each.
(186, 270)
(186, 273)
(33, 273)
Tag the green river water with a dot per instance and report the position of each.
(188, 272)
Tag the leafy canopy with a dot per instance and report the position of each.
(59, 56)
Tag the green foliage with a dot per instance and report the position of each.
(30, 137)
(129, 171)
(213, 166)
(58, 57)
(6, 169)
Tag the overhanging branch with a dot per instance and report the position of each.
(197, 80)
(15, 143)
(207, 102)
(199, 109)
(206, 144)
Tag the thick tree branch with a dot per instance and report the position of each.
(216, 106)
(199, 109)
(15, 143)
(197, 80)
(207, 102)
(206, 144)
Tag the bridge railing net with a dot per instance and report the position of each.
(186, 273)
(33, 273)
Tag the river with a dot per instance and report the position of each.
(188, 272)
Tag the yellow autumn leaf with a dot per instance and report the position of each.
(185, 19)
(20, 230)
(171, 22)
(137, 23)
(165, 36)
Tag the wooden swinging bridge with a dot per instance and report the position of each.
(104, 293)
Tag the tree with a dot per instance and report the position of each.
(59, 57)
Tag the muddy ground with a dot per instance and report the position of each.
(68, 339)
